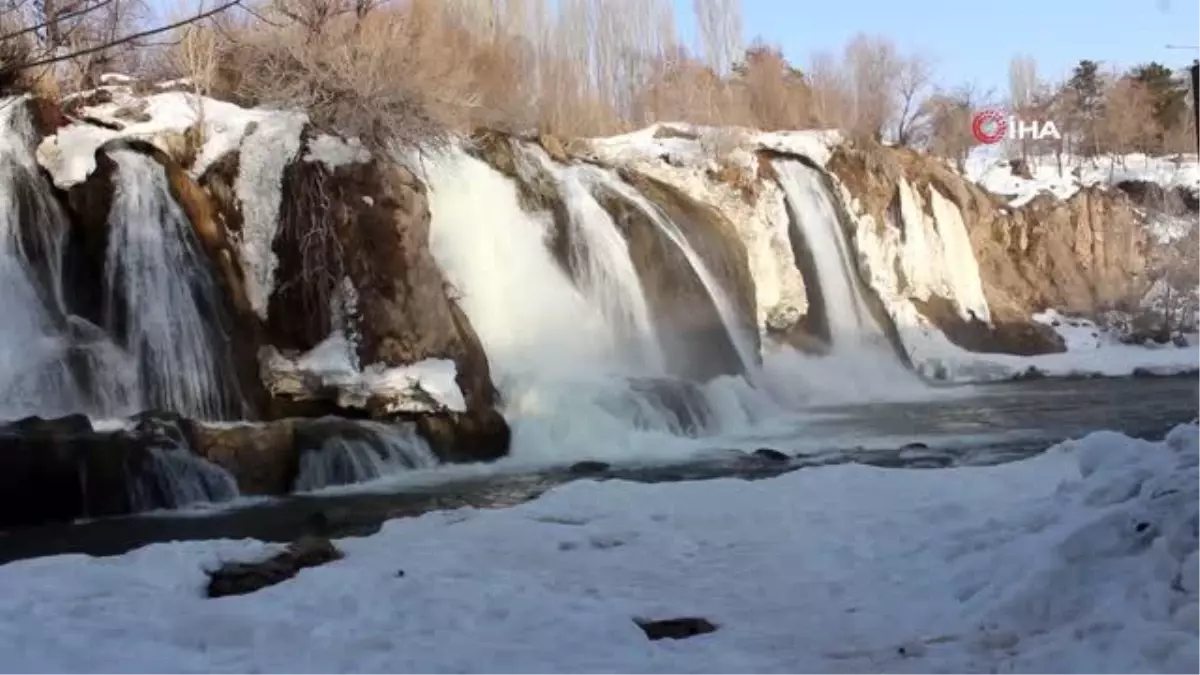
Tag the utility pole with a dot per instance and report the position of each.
(1195, 68)
(1196, 99)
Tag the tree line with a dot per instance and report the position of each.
(411, 70)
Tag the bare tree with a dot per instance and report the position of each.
(1022, 92)
(949, 114)
(914, 75)
(720, 24)
(872, 64)
(1127, 122)
(830, 90)
(93, 44)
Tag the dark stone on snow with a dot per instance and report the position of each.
(914, 446)
(240, 578)
(771, 455)
(588, 467)
(675, 629)
(1030, 373)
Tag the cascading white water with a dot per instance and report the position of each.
(861, 364)
(373, 450)
(743, 344)
(175, 478)
(845, 311)
(566, 391)
(158, 291)
(604, 270)
(35, 377)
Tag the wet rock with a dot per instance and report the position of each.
(240, 578)
(262, 458)
(482, 435)
(69, 425)
(588, 467)
(52, 474)
(771, 455)
(675, 629)
(914, 446)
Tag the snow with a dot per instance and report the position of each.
(334, 152)
(1083, 559)
(425, 386)
(993, 173)
(761, 225)
(266, 152)
(69, 155)
(688, 144)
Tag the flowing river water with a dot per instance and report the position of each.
(977, 425)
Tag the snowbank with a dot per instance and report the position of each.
(1083, 559)
(69, 155)
(993, 173)
(425, 386)
(1091, 352)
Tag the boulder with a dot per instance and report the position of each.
(240, 578)
(56, 471)
(353, 250)
(262, 457)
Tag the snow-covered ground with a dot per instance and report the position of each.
(991, 170)
(1083, 559)
(1091, 351)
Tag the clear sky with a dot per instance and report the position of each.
(974, 40)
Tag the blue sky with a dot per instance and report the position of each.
(974, 41)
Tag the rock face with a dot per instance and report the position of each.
(353, 251)
(1080, 255)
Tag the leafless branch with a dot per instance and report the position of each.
(119, 41)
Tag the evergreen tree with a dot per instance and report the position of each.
(1085, 104)
(1168, 92)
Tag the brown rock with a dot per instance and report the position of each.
(1077, 255)
(261, 457)
(368, 223)
(695, 341)
(472, 437)
(554, 147)
(240, 578)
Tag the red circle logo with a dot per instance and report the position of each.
(989, 126)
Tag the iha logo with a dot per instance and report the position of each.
(993, 126)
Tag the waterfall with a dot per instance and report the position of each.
(160, 297)
(861, 363)
(555, 349)
(35, 376)
(363, 452)
(604, 271)
(742, 343)
(845, 310)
